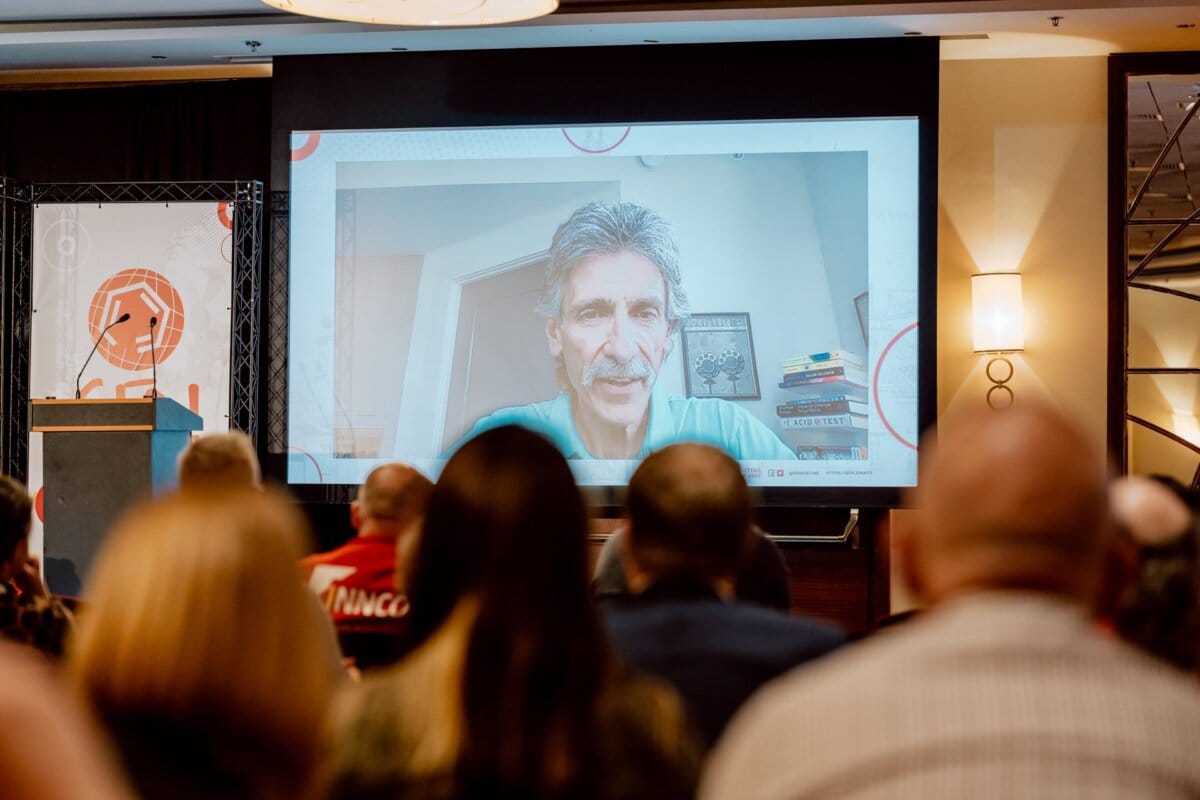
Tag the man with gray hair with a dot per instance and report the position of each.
(613, 302)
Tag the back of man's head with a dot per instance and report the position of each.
(1014, 499)
(689, 513)
(1158, 604)
(1148, 512)
(393, 495)
(219, 461)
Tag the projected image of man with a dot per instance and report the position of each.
(613, 302)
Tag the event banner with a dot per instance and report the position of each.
(95, 263)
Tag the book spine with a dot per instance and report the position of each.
(816, 366)
(813, 373)
(821, 407)
(785, 384)
(813, 453)
(808, 401)
(824, 421)
(852, 358)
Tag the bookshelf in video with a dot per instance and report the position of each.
(825, 414)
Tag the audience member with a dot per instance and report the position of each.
(199, 653)
(226, 462)
(513, 693)
(357, 581)
(689, 528)
(219, 461)
(48, 749)
(1004, 687)
(1159, 608)
(28, 613)
(762, 577)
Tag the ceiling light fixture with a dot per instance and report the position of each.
(420, 12)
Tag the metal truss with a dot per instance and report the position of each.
(277, 327)
(247, 307)
(149, 192)
(16, 320)
(245, 199)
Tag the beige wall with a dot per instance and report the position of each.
(1022, 186)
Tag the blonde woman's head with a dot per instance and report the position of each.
(197, 613)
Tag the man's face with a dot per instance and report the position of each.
(612, 335)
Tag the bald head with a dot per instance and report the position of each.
(1009, 500)
(1149, 512)
(689, 513)
(219, 461)
(392, 497)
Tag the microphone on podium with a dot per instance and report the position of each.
(123, 318)
(153, 361)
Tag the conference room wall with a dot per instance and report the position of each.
(1023, 187)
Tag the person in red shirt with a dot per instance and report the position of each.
(357, 582)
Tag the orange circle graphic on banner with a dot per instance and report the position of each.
(141, 293)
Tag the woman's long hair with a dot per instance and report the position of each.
(506, 525)
(199, 627)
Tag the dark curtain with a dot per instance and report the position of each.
(187, 131)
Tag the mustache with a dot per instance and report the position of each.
(608, 368)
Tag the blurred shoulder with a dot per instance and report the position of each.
(645, 744)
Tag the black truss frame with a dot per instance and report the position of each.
(277, 329)
(17, 201)
(16, 319)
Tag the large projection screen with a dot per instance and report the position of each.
(423, 304)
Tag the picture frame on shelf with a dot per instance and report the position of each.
(860, 308)
(718, 356)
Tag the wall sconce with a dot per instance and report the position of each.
(999, 327)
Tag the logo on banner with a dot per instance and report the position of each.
(141, 293)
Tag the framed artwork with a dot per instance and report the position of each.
(718, 356)
(860, 307)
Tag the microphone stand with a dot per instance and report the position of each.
(123, 318)
(153, 361)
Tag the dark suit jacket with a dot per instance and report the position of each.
(715, 653)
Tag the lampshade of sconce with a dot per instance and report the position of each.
(420, 12)
(997, 312)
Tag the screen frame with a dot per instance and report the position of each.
(595, 85)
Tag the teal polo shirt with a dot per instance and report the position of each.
(672, 419)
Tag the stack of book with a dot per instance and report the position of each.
(820, 374)
(834, 411)
(830, 396)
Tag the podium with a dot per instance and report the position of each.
(99, 457)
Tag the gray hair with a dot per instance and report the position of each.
(598, 228)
